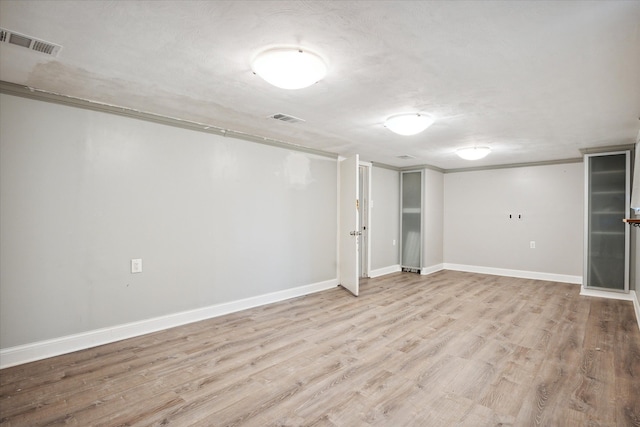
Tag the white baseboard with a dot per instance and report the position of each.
(564, 278)
(385, 270)
(54, 347)
(431, 269)
(605, 294)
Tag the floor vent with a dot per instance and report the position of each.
(286, 118)
(28, 42)
(405, 157)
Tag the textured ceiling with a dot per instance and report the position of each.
(536, 81)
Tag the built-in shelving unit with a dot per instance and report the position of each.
(607, 191)
(411, 221)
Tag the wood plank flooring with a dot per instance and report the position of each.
(449, 349)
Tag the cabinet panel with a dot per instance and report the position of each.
(606, 237)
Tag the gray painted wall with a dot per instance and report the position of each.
(478, 231)
(433, 218)
(214, 219)
(385, 217)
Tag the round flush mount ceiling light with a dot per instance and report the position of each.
(408, 124)
(473, 153)
(289, 68)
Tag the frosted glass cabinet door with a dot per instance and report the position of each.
(411, 220)
(607, 196)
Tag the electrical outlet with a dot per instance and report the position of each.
(532, 244)
(394, 242)
(136, 265)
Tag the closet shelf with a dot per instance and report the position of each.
(607, 192)
(610, 172)
(411, 210)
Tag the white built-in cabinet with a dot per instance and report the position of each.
(607, 196)
(411, 221)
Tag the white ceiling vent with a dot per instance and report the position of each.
(17, 39)
(405, 157)
(286, 118)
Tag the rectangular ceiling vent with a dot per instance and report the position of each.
(406, 157)
(286, 118)
(28, 42)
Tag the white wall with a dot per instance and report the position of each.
(214, 219)
(433, 220)
(385, 219)
(478, 231)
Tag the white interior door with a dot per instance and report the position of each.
(349, 229)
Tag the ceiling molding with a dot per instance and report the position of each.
(42, 95)
(481, 168)
(385, 166)
(425, 166)
(516, 165)
(608, 149)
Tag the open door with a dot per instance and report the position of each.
(349, 229)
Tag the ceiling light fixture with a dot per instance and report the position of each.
(473, 153)
(289, 68)
(408, 124)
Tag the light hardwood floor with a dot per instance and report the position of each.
(449, 349)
